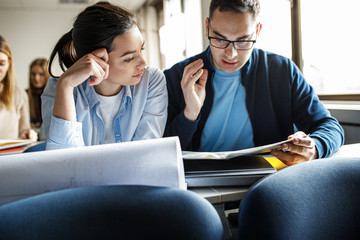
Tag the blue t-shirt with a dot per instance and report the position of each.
(228, 126)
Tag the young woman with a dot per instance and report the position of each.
(14, 104)
(38, 77)
(107, 94)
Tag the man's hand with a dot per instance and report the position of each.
(301, 149)
(194, 93)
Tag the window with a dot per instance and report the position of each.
(327, 36)
(275, 36)
(330, 43)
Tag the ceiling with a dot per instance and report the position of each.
(58, 4)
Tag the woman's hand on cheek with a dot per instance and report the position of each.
(93, 65)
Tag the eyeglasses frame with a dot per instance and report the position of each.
(233, 42)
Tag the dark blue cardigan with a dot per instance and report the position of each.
(278, 99)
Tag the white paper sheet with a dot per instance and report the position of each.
(155, 162)
(231, 154)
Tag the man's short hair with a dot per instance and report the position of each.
(237, 6)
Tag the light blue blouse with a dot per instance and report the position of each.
(142, 113)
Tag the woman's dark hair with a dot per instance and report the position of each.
(94, 28)
(237, 6)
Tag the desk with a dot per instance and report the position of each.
(216, 195)
(349, 150)
(219, 195)
(223, 194)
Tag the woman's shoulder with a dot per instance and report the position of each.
(153, 79)
(21, 93)
(150, 76)
(20, 96)
(153, 75)
(153, 71)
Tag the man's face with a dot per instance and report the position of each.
(234, 27)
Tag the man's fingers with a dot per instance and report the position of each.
(294, 148)
(297, 134)
(196, 76)
(192, 72)
(288, 158)
(203, 78)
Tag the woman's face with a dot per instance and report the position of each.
(126, 61)
(4, 65)
(37, 76)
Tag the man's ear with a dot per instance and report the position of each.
(207, 22)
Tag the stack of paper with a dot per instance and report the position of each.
(11, 146)
(155, 162)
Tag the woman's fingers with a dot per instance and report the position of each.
(100, 67)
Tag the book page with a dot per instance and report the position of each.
(11, 143)
(231, 154)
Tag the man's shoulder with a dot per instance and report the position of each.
(272, 60)
(270, 56)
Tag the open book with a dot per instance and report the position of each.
(13, 143)
(232, 154)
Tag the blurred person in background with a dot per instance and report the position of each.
(14, 104)
(38, 76)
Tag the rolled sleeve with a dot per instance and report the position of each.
(64, 134)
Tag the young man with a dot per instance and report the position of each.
(232, 96)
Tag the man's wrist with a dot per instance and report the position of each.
(191, 115)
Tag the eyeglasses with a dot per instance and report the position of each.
(238, 45)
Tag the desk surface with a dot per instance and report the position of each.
(220, 194)
(349, 150)
(217, 195)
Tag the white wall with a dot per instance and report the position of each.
(147, 17)
(32, 34)
(205, 4)
(181, 35)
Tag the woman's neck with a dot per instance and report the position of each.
(108, 90)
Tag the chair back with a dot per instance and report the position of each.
(314, 200)
(111, 212)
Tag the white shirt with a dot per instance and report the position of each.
(108, 108)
